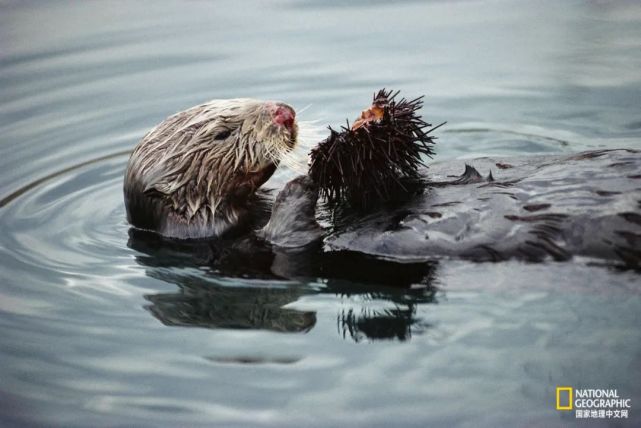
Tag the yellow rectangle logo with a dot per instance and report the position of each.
(560, 390)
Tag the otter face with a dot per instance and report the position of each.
(192, 175)
(272, 127)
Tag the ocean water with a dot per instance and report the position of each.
(102, 327)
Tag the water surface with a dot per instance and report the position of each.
(105, 327)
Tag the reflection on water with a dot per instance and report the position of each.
(201, 301)
(199, 304)
(398, 323)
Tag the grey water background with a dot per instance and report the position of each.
(100, 330)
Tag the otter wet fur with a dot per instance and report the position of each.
(378, 157)
(194, 175)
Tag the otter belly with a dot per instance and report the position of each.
(536, 208)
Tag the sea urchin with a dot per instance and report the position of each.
(374, 160)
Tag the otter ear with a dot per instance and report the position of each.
(161, 179)
(163, 188)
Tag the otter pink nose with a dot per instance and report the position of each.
(284, 115)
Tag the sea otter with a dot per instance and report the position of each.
(194, 175)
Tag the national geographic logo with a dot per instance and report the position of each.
(563, 398)
(593, 402)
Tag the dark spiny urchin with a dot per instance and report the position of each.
(374, 160)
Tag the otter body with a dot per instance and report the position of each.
(194, 175)
(530, 208)
(293, 222)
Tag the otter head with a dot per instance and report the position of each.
(193, 174)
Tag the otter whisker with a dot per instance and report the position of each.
(294, 162)
(301, 110)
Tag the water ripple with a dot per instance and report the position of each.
(101, 327)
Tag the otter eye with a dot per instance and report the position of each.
(222, 135)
